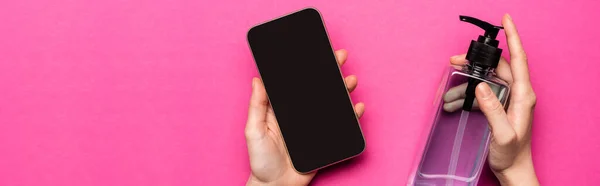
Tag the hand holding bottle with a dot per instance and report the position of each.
(510, 148)
(269, 161)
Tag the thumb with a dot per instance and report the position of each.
(502, 131)
(257, 111)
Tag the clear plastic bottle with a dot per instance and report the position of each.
(457, 144)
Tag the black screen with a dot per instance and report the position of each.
(306, 90)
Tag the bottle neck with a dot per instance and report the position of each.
(479, 71)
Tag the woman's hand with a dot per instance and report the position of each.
(510, 148)
(269, 161)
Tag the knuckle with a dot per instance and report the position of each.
(247, 132)
(523, 55)
(530, 98)
(525, 95)
(252, 135)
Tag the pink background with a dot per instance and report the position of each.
(155, 92)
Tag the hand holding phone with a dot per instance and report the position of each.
(268, 160)
(306, 91)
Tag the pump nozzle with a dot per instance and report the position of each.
(483, 55)
(491, 31)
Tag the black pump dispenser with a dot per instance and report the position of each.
(483, 56)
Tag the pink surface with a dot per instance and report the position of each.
(155, 92)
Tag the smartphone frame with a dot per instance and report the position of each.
(343, 80)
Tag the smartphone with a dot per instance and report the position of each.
(306, 90)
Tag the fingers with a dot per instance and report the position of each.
(341, 56)
(502, 130)
(351, 82)
(359, 109)
(257, 111)
(523, 98)
(454, 105)
(455, 93)
(458, 104)
(458, 60)
(503, 70)
(518, 59)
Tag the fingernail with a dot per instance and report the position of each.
(454, 57)
(253, 82)
(484, 89)
(508, 16)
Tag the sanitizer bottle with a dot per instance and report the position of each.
(459, 139)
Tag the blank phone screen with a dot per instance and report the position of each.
(306, 90)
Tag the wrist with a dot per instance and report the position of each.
(521, 173)
(253, 181)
